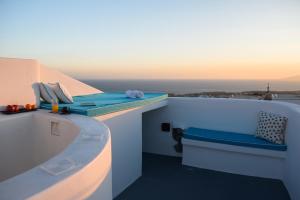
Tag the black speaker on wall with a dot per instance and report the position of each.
(165, 127)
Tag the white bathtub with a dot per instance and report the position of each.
(48, 156)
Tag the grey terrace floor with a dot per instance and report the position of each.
(165, 178)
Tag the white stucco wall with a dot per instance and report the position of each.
(74, 86)
(292, 165)
(19, 78)
(88, 148)
(126, 135)
(217, 114)
(224, 114)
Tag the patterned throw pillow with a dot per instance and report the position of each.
(61, 92)
(47, 94)
(271, 127)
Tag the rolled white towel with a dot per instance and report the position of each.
(134, 94)
(130, 94)
(139, 94)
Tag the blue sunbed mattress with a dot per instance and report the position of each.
(231, 138)
(107, 103)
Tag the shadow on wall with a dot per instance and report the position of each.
(36, 90)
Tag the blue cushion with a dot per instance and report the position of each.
(231, 138)
(107, 103)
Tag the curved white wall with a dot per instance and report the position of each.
(26, 141)
(223, 114)
(18, 85)
(28, 146)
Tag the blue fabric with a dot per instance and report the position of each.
(231, 138)
(107, 103)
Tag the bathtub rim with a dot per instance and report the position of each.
(36, 181)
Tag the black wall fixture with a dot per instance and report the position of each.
(177, 134)
(165, 127)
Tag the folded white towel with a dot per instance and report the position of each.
(130, 94)
(134, 94)
(139, 94)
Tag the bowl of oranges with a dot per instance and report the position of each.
(14, 109)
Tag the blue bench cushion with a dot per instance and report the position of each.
(231, 139)
(107, 103)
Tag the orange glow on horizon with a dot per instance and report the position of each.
(222, 70)
(157, 39)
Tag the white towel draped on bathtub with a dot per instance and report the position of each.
(134, 94)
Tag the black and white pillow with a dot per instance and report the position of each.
(47, 94)
(61, 92)
(271, 127)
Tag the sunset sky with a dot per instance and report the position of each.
(156, 39)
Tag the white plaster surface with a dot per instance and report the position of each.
(126, 127)
(16, 82)
(126, 132)
(233, 159)
(19, 78)
(89, 148)
(74, 86)
(228, 115)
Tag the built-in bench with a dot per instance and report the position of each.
(231, 138)
(232, 152)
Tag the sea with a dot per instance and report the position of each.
(193, 86)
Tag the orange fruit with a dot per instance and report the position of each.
(9, 108)
(16, 108)
(28, 107)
